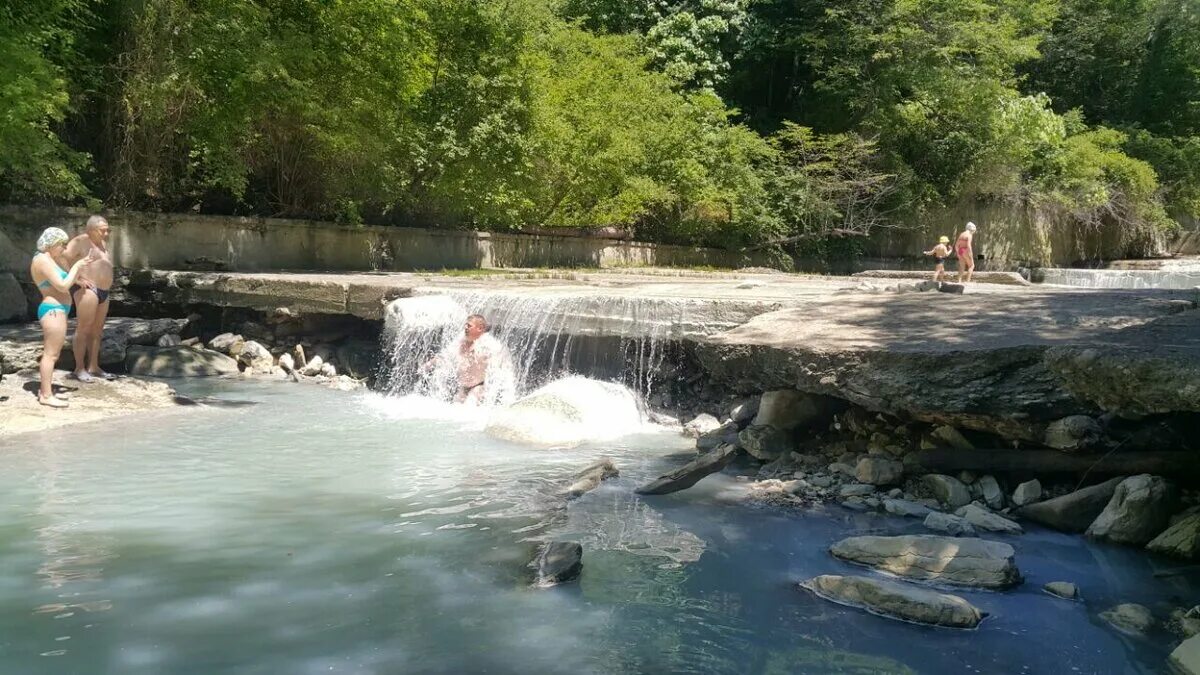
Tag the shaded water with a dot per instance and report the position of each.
(347, 533)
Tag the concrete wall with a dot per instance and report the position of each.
(178, 241)
(1009, 237)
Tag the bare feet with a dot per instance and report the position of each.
(83, 376)
(52, 401)
(101, 375)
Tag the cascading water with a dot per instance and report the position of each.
(1174, 274)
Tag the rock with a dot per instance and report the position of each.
(327, 370)
(990, 492)
(948, 287)
(313, 367)
(744, 411)
(13, 305)
(879, 471)
(287, 363)
(820, 481)
(725, 434)
(358, 358)
(1140, 509)
(1186, 657)
(765, 442)
(1072, 512)
(948, 436)
(983, 519)
(558, 562)
(1181, 540)
(789, 409)
(191, 342)
(178, 362)
(1063, 589)
(1130, 618)
(227, 343)
(842, 468)
(950, 524)
(701, 424)
(855, 490)
(903, 507)
(854, 504)
(590, 478)
(169, 340)
(966, 477)
(947, 489)
(1075, 432)
(1185, 621)
(1027, 493)
(256, 358)
(690, 473)
(897, 600)
(948, 560)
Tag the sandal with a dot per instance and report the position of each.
(83, 377)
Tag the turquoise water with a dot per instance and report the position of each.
(323, 532)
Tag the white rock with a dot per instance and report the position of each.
(313, 367)
(1027, 493)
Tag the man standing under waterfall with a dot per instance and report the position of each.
(479, 358)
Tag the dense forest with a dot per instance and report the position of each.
(723, 122)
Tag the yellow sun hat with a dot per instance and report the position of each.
(943, 240)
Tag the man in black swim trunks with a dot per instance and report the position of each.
(91, 297)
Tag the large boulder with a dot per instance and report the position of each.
(947, 560)
(256, 358)
(765, 442)
(227, 343)
(1186, 657)
(983, 519)
(789, 409)
(701, 424)
(178, 362)
(897, 600)
(1140, 509)
(947, 489)
(13, 305)
(1181, 540)
(1074, 432)
(1072, 512)
(567, 412)
(879, 471)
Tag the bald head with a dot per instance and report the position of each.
(96, 222)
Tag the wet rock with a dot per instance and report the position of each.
(1072, 512)
(313, 367)
(1063, 589)
(1140, 509)
(897, 600)
(1027, 493)
(1075, 432)
(950, 524)
(744, 411)
(689, 474)
(590, 478)
(947, 560)
(328, 370)
(989, 491)
(856, 490)
(287, 363)
(855, 504)
(1185, 621)
(903, 507)
(227, 343)
(948, 436)
(820, 481)
(879, 471)
(789, 409)
(983, 519)
(1130, 618)
(1181, 540)
(701, 424)
(558, 562)
(947, 489)
(765, 442)
(256, 357)
(725, 434)
(178, 362)
(1186, 657)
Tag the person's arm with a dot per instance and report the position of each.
(74, 254)
(61, 285)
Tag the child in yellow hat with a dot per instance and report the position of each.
(940, 253)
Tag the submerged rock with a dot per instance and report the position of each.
(689, 474)
(897, 600)
(1181, 540)
(1140, 509)
(1072, 512)
(1062, 589)
(178, 362)
(949, 560)
(558, 562)
(590, 478)
(950, 524)
(986, 520)
(1129, 618)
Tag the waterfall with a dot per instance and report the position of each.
(1182, 274)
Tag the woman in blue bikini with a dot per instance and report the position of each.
(55, 286)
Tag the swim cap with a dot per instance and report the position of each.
(943, 240)
(971, 226)
(50, 237)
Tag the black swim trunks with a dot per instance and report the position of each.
(102, 295)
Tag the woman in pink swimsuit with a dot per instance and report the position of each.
(965, 251)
